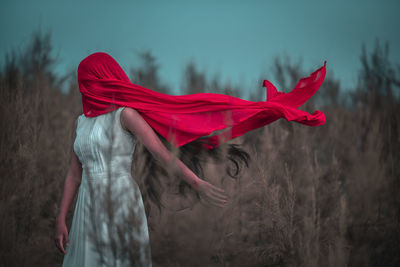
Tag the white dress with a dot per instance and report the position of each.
(100, 235)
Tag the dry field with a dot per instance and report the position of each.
(311, 196)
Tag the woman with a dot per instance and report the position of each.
(116, 113)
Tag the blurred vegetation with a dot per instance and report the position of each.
(313, 196)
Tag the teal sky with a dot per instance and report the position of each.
(237, 39)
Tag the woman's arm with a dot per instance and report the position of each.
(131, 120)
(71, 185)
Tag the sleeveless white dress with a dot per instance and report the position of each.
(100, 235)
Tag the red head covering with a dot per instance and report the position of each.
(180, 119)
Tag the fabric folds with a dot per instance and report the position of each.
(181, 119)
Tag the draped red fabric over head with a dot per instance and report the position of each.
(181, 119)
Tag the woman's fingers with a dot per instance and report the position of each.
(214, 195)
(219, 195)
(218, 199)
(214, 202)
(59, 244)
(206, 199)
(217, 189)
(66, 238)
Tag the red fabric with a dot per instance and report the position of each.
(180, 119)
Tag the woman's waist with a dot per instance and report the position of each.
(102, 179)
(105, 174)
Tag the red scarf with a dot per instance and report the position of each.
(181, 119)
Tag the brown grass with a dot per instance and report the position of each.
(323, 196)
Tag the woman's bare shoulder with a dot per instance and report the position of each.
(128, 111)
(131, 119)
(128, 115)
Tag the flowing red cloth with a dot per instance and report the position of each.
(181, 119)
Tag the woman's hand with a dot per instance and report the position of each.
(212, 194)
(61, 235)
(131, 120)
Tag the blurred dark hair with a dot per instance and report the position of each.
(193, 155)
